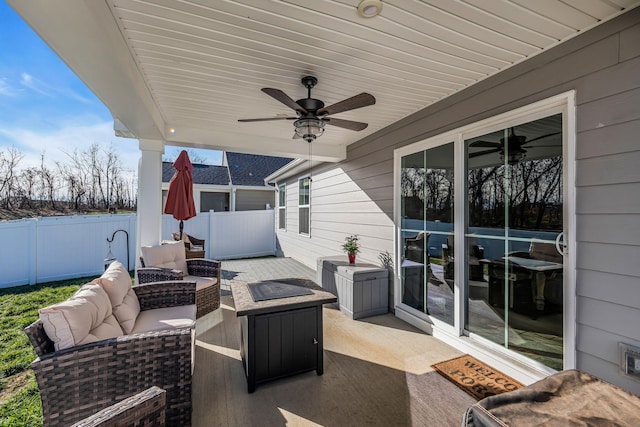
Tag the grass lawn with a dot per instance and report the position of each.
(19, 398)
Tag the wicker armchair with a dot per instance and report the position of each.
(147, 408)
(207, 297)
(77, 382)
(194, 247)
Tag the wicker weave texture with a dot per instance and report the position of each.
(145, 409)
(208, 298)
(77, 382)
(156, 274)
(165, 294)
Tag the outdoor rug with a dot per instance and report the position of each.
(476, 378)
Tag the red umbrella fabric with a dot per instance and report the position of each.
(180, 196)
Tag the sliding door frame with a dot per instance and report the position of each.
(456, 335)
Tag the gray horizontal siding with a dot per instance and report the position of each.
(603, 67)
(623, 229)
(595, 285)
(593, 143)
(608, 199)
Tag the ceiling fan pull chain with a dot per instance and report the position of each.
(310, 170)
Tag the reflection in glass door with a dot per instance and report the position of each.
(427, 206)
(514, 214)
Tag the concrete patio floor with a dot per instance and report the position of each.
(377, 371)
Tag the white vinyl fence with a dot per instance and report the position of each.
(45, 249)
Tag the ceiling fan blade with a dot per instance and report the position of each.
(296, 136)
(284, 98)
(358, 101)
(487, 144)
(266, 119)
(482, 153)
(347, 124)
(541, 146)
(542, 137)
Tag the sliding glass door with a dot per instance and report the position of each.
(515, 208)
(482, 221)
(427, 203)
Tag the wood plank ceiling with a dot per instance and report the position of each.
(204, 61)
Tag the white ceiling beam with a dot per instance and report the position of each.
(225, 141)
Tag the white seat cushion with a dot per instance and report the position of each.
(116, 282)
(171, 255)
(201, 282)
(158, 319)
(83, 318)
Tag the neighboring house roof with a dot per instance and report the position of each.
(202, 174)
(244, 169)
(251, 169)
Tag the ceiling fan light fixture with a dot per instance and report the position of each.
(309, 128)
(369, 8)
(514, 157)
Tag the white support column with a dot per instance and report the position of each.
(149, 217)
(232, 200)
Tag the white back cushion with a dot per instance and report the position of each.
(83, 318)
(171, 255)
(116, 282)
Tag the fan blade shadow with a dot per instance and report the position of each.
(487, 144)
(279, 95)
(358, 101)
(482, 153)
(347, 124)
(542, 137)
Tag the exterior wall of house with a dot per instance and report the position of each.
(215, 201)
(603, 67)
(254, 200)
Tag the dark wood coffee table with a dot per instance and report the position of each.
(282, 336)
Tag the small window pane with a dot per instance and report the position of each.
(303, 191)
(281, 195)
(304, 221)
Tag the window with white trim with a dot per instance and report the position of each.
(282, 203)
(304, 208)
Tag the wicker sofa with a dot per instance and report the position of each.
(168, 262)
(82, 373)
(147, 408)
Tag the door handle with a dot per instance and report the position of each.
(560, 246)
(315, 341)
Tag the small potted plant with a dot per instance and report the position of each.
(351, 247)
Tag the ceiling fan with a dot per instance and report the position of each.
(515, 147)
(312, 115)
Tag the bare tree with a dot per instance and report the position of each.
(194, 157)
(48, 183)
(9, 162)
(29, 180)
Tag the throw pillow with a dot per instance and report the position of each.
(116, 282)
(83, 318)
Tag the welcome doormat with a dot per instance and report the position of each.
(476, 378)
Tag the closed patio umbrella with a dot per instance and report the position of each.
(180, 196)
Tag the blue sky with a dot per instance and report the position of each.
(46, 108)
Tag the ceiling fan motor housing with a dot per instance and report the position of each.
(310, 104)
